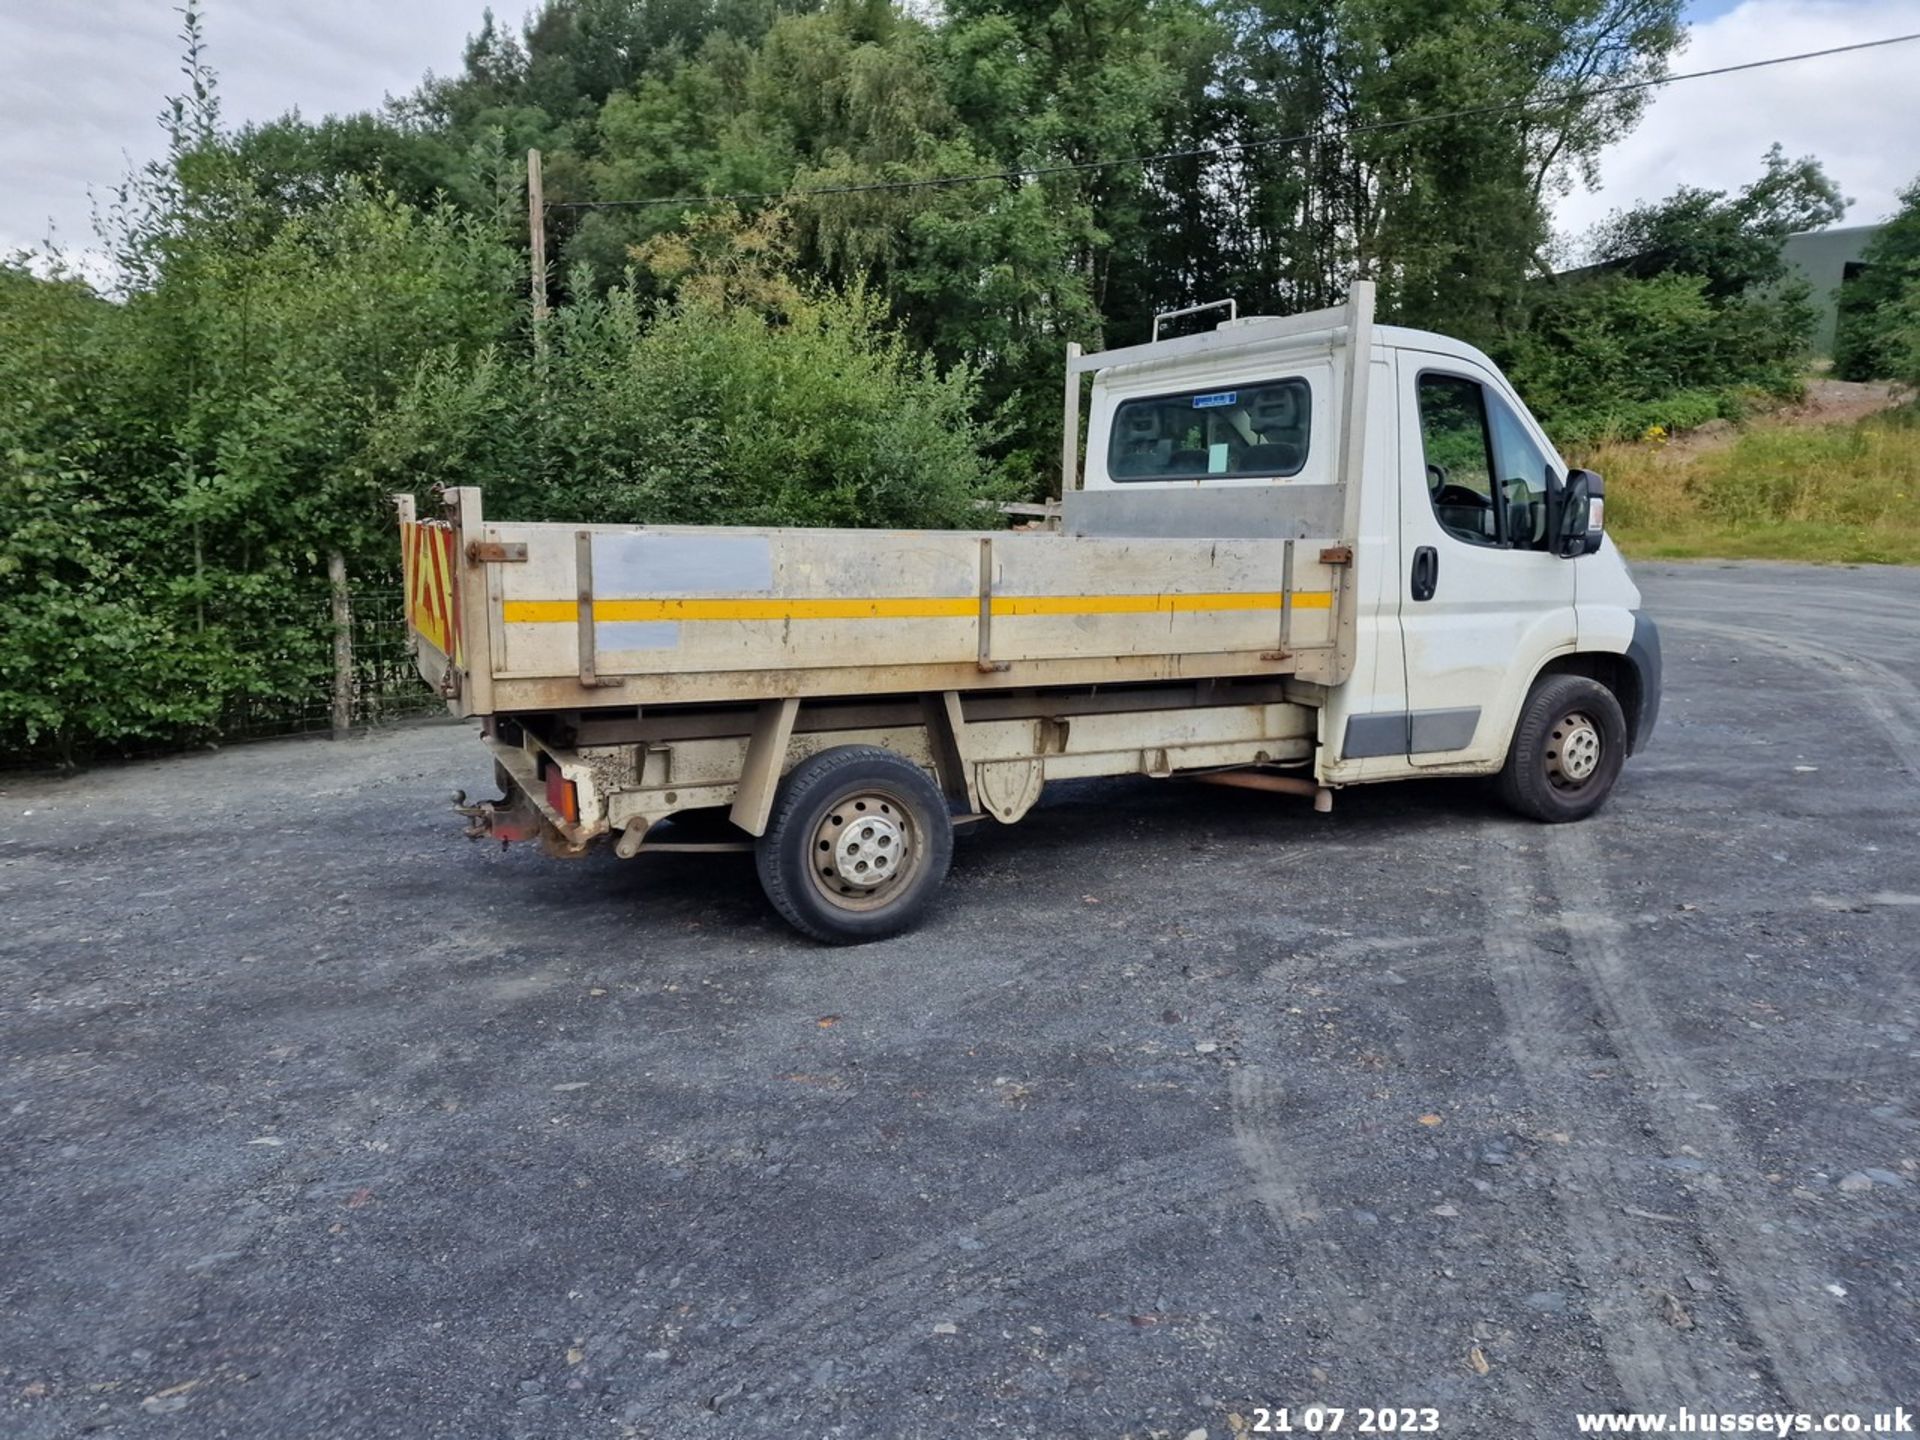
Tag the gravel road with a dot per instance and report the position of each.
(319, 1121)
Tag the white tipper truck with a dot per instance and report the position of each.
(1302, 553)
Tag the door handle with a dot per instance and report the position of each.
(1426, 572)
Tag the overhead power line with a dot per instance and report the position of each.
(1212, 152)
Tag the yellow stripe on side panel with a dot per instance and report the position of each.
(1152, 604)
(932, 607)
(557, 612)
(539, 612)
(543, 612)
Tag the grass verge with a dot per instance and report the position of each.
(1838, 494)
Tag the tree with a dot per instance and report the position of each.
(745, 399)
(1688, 307)
(1447, 214)
(1733, 242)
(1879, 332)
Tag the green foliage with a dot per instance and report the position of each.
(725, 97)
(1879, 335)
(86, 651)
(1610, 356)
(1685, 316)
(1731, 242)
(703, 411)
(1451, 217)
(1901, 333)
(178, 464)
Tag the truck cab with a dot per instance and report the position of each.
(1468, 583)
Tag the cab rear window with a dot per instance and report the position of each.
(1258, 429)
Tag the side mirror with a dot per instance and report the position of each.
(1580, 514)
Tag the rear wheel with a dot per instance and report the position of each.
(858, 842)
(1566, 752)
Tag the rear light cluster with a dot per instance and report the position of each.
(561, 795)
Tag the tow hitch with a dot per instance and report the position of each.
(505, 820)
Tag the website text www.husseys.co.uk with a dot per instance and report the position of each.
(1898, 1421)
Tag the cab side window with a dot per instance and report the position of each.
(1459, 456)
(1525, 475)
(1487, 478)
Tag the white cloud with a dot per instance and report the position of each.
(81, 82)
(1859, 113)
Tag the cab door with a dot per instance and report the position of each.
(1483, 600)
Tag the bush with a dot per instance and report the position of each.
(1685, 410)
(1686, 317)
(1609, 357)
(177, 465)
(1879, 334)
(710, 414)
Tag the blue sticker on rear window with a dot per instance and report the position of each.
(1207, 402)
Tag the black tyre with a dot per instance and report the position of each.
(1566, 752)
(858, 843)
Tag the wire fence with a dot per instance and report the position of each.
(383, 684)
(382, 687)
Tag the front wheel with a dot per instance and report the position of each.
(1566, 752)
(858, 842)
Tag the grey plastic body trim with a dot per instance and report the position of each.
(1434, 730)
(1370, 735)
(1409, 732)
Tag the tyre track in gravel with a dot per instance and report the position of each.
(1869, 683)
(874, 1317)
(1368, 1324)
(870, 1315)
(867, 1319)
(1624, 1263)
(1782, 1291)
(1786, 1309)
(860, 1319)
(1892, 703)
(1373, 1333)
(1279, 1171)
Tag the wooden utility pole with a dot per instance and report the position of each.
(537, 235)
(342, 646)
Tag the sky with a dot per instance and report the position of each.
(1859, 113)
(81, 82)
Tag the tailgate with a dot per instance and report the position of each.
(430, 577)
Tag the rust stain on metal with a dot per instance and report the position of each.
(1258, 780)
(496, 552)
